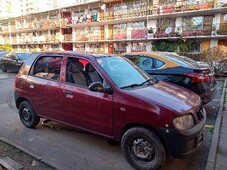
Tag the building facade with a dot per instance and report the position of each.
(114, 26)
(30, 6)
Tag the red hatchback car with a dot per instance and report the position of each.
(110, 96)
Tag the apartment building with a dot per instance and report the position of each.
(27, 7)
(115, 26)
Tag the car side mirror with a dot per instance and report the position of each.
(98, 87)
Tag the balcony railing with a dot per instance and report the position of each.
(123, 34)
(125, 11)
(196, 31)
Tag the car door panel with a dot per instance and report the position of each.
(84, 108)
(42, 92)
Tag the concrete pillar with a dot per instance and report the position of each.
(152, 24)
(10, 39)
(129, 30)
(155, 2)
(179, 25)
(106, 32)
(73, 34)
(216, 21)
(87, 48)
(213, 43)
(27, 49)
(149, 46)
(74, 47)
(49, 47)
(60, 47)
(129, 47)
(106, 48)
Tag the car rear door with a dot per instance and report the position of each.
(43, 86)
(81, 107)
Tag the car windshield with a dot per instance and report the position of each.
(123, 72)
(179, 61)
(23, 56)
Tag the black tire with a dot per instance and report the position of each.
(143, 149)
(27, 115)
(3, 67)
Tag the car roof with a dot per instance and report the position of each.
(75, 53)
(155, 55)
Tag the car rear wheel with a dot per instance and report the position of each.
(27, 115)
(143, 149)
(3, 67)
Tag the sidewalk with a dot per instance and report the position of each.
(217, 158)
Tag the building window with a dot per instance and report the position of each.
(138, 46)
(193, 23)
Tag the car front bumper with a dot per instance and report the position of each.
(181, 143)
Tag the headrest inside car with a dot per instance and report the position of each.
(77, 67)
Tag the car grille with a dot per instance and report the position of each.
(195, 142)
(199, 115)
(191, 144)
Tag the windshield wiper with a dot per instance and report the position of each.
(131, 86)
(148, 80)
(136, 85)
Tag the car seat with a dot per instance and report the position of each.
(92, 74)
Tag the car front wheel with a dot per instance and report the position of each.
(143, 149)
(27, 115)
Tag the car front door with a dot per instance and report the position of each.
(43, 86)
(81, 107)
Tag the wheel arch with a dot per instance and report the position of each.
(20, 100)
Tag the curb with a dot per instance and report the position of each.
(26, 151)
(211, 160)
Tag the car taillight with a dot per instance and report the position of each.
(198, 78)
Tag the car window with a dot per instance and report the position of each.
(121, 71)
(159, 63)
(143, 62)
(48, 67)
(23, 56)
(82, 73)
(178, 61)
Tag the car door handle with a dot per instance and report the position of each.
(68, 93)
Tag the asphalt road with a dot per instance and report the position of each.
(67, 148)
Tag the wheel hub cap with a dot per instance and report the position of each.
(143, 149)
(26, 114)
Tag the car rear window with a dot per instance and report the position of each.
(178, 61)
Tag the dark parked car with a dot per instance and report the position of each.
(164, 66)
(13, 61)
(110, 96)
(221, 68)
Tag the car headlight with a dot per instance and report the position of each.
(184, 122)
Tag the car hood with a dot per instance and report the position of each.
(169, 96)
